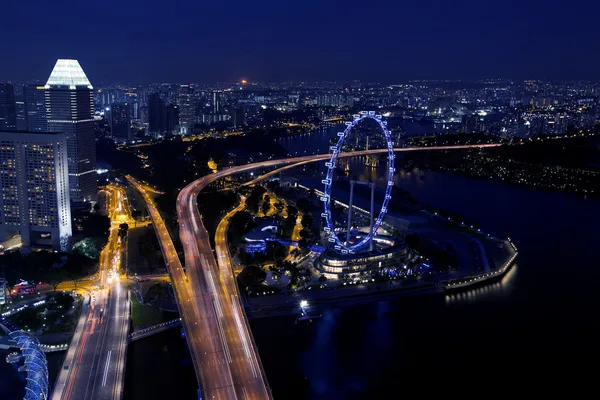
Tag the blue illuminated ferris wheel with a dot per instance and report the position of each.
(346, 247)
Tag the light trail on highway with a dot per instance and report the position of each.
(95, 367)
(217, 305)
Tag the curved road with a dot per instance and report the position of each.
(219, 337)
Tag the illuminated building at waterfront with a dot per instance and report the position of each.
(34, 184)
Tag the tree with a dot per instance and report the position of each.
(96, 225)
(303, 205)
(123, 229)
(292, 213)
(253, 201)
(251, 276)
(307, 221)
(266, 206)
(279, 207)
(278, 251)
(54, 276)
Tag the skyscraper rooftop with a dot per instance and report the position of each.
(68, 73)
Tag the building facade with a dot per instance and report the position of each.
(120, 121)
(34, 189)
(20, 108)
(2, 291)
(157, 119)
(8, 112)
(35, 107)
(70, 109)
(187, 110)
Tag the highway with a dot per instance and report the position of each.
(222, 250)
(228, 365)
(95, 361)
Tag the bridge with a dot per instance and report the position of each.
(223, 351)
(35, 365)
(153, 330)
(8, 343)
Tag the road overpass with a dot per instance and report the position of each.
(227, 364)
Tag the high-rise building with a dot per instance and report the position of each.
(120, 121)
(2, 291)
(20, 109)
(187, 109)
(216, 101)
(8, 112)
(157, 121)
(34, 188)
(237, 116)
(70, 109)
(172, 118)
(35, 107)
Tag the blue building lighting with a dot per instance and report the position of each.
(36, 365)
(326, 198)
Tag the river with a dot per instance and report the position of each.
(535, 331)
(12, 382)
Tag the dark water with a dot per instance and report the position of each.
(535, 332)
(12, 382)
(160, 367)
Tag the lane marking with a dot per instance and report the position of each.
(106, 367)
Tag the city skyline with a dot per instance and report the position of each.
(270, 200)
(318, 41)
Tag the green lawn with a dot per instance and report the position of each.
(144, 316)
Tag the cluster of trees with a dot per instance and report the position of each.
(254, 201)
(149, 248)
(95, 229)
(239, 224)
(442, 254)
(213, 205)
(123, 229)
(158, 294)
(310, 233)
(44, 266)
(251, 276)
(288, 224)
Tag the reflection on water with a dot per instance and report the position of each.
(488, 291)
(540, 316)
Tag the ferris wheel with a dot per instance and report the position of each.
(336, 149)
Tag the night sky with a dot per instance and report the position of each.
(143, 41)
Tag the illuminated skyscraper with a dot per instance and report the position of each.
(8, 113)
(187, 109)
(2, 291)
(34, 189)
(70, 109)
(216, 101)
